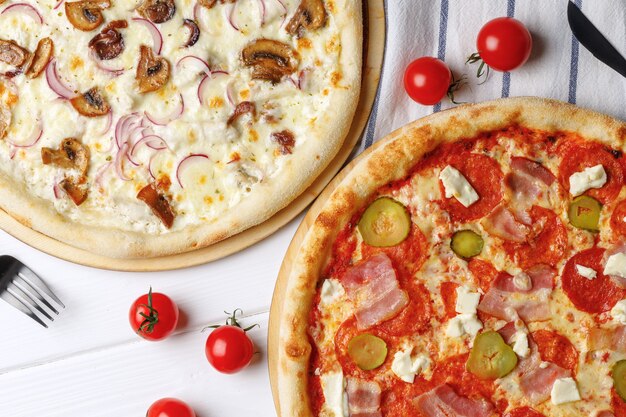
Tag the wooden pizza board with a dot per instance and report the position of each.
(374, 47)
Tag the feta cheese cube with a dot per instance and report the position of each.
(522, 282)
(333, 389)
(457, 186)
(466, 300)
(616, 265)
(464, 324)
(586, 272)
(520, 344)
(593, 177)
(406, 367)
(619, 312)
(564, 390)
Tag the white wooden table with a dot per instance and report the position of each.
(90, 363)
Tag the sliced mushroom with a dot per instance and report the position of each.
(43, 54)
(91, 103)
(86, 15)
(76, 193)
(271, 60)
(152, 72)
(241, 109)
(194, 32)
(72, 154)
(109, 43)
(286, 140)
(158, 11)
(13, 54)
(158, 203)
(310, 15)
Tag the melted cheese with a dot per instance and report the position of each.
(213, 188)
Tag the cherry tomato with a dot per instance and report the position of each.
(170, 407)
(504, 43)
(153, 316)
(228, 348)
(427, 80)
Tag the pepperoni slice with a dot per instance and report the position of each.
(590, 295)
(415, 317)
(578, 156)
(618, 219)
(545, 245)
(556, 348)
(448, 295)
(484, 272)
(523, 412)
(485, 175)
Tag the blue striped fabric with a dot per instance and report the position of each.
(558, 67)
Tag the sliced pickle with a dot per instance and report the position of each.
(367, 351)
(467, 243)
(584, 213)
(385, 223)
(491, 357)
(619, 378)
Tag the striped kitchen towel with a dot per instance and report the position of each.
(558, 67)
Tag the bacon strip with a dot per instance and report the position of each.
(363, 398)
(530, 305)
(532, 169)
(443, 401)
(372, 285)
(503, 224)
(620, 247)
(614, 339)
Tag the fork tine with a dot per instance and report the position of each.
(29, 276)
(16, 291)
(17, 303)
(33, 292)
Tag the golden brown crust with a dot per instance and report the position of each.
(390, 159)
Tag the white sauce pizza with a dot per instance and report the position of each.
(138, 128)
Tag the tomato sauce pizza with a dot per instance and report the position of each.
(488, 280)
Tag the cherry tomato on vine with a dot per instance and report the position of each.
(427, 80)
(153, 316)
(170, 407)
(504, 44)
(228, 348)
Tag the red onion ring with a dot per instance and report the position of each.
(203, 83)
(229, 95)
(123, 126)
(107, 126)
(119, 162)
(184, 162)
(115, 72)
(167, 119)
(157, 38)
(262, 11)
(150, 170)
(32, 140)
(100, 173)
(58, 4)
(55, 83)
(148, 141)
(206, 70)
(13, 152)
(230, 15)
(26, 9)
(285, 11)
(56, 190)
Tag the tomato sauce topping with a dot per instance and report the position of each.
(448, 295)
(523, 412)
(590, 295)
(484, 272)
(556, 348)
(485, 175)
(618, 405)
(618, 219)
(578, 155)
(545, 245)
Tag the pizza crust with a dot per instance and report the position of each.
(389, 159)
(265, 199)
